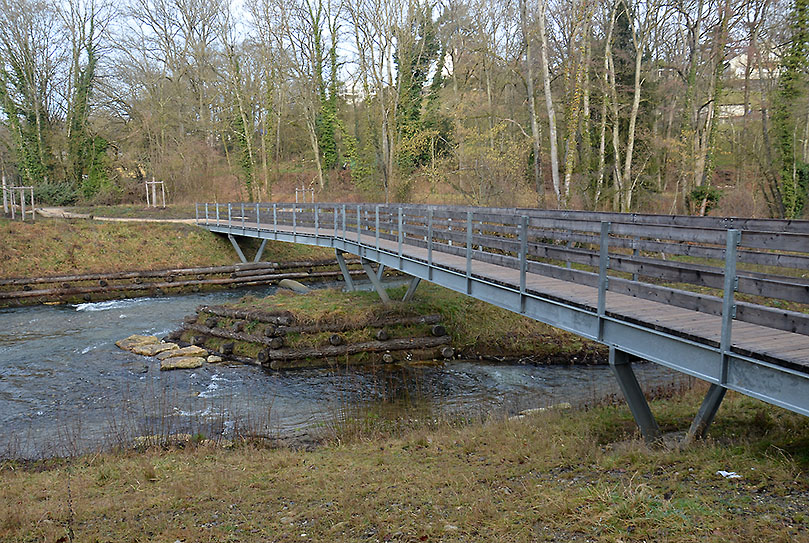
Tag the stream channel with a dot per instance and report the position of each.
(65, 388)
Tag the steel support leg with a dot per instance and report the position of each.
(371, 273)
(379, 271)
(411, 290)
(260, 251)
(622, 368)
(344, 269)
(707, 412)
(238, 249)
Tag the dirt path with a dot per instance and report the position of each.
(61, 213)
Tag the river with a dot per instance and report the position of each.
(65, 388)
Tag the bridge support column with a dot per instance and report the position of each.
(707, 412)
(380, 270)
(238, 249)
(621, 365)
(411, 290)
(344, 269)
(371, 273)
(260, 251)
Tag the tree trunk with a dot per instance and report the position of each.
(546, 81)
(539, 183)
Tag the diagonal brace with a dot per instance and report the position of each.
(411, 290)
(260, 251)
(371, 273)
(344, 269)
(705, 415)
(238, 249)
(621, 365)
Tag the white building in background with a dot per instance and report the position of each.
(770, 61)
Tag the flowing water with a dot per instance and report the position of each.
(66, 388)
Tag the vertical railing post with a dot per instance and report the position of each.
(258, 217)
(401, 235)
(731, 283)
(430, 243)
(242, 212)
(344, 221)
(206, 213)
(603, 280)
(523, 259)
(317, 223)
(468, 252)
(217, 213)
(230, 215)
(335, 221)
(33, 206)
(359, 223)
(376, 225)
(275, 220)
(196, 213)
(294, 222)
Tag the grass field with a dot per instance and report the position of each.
(59, 246)
(555, 476)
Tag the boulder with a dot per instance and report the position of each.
(182, 363)
(213, 359)
(294, 286)
(191, 350)
(152, 349)
(135, 340)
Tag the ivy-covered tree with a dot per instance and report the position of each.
(790, 107)
(416, 53)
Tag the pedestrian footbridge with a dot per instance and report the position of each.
(722, 299)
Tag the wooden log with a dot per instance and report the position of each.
(398, 344)
(271, 317)
(272, 342)
(240, 281)
(212, 270)
(211, 322)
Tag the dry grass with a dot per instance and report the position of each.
(56, 246)
(573, 476)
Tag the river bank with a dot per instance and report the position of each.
(555, 476)
(74, 246)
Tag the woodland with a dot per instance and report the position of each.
(665, 106)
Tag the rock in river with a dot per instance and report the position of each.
(182, 363)
(153, 348)
(191, 350)
(134, 340)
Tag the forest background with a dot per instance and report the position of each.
(666, 106)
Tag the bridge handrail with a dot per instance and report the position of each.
(556, 241)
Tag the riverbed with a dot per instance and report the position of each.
(65, 388)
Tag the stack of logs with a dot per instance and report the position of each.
(104, 286)
(273, 339)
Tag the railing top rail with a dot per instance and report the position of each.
(769, 234)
